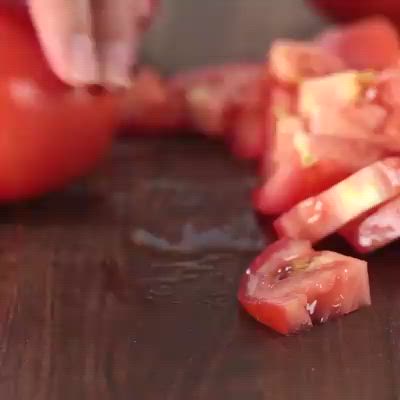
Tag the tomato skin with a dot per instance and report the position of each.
(321, 215)
(376, 229)
(248, 127)
(152, 107)
(50, 134)
(387, 89)
(289, 286)
(347, 11)
(372, 43)
(354, 105)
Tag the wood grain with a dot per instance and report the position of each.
(123, 286)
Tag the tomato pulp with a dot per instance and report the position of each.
(289, 287)
(319, 216)
(376, 229)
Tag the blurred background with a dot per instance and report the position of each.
(189, 33)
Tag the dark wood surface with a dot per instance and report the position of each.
(123, 286)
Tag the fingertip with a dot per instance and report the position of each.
(82, 67)
(117, 60)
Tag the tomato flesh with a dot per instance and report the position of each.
(299, 165)
(289, 287)
(248, 126)
(292, 61)
(376, 229)
(151, 106)
(212, 94)
(321, 215)
(372, 43)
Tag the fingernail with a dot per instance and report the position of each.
(84, 67)
(117, 61)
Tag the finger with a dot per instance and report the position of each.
(117, 36)
(146, 10)
(65, 30)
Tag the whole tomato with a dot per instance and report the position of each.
(49, 133)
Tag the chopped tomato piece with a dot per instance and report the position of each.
(289, 287)
(298, 165)
(248, 126)
(248, 134)
(152, 107)
(292, 61)
(365, 121)
(334, 91)
(391, 131)
(351, 105)
(370, 43)
(387, 88)
(319, 216)
(376, 229)
(210, 93)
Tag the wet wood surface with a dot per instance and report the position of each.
(123, 286)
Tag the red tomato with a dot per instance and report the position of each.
(49, 133)
(334, 91)
(291, 61)
(353, 105)
(212, 92)
(387, 88)
(376, 229)
(290, 286)
(361, 121)
(152, 107)
(349, 10)
(370, 43)
(299, 165)
(248, 134)
(319, 216)
(248, 125)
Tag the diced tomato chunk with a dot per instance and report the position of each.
(372, 43)
(391, 130)
(248, 134)
(210, 94)
(376, 229)
(298, 165)
(248, 125)
(334, 91)
(290, 286)
(319, 216)
(364, 121)
(387, 88)
(151, 107)
(358, 105)
(292, 61)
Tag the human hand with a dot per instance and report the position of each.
(91, 42)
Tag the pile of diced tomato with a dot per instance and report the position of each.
(321, 118)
